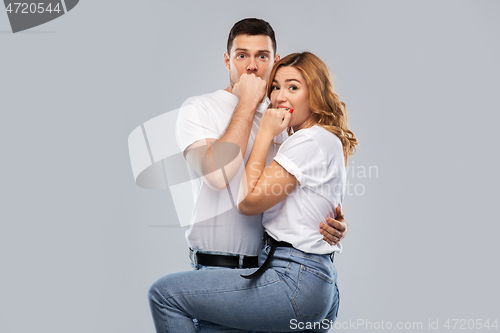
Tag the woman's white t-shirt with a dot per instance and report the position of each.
(315, 157)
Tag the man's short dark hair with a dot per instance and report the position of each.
(252, 27)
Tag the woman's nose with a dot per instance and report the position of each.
(281, 96)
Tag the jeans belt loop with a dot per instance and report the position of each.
(240, 263)
(194, 258)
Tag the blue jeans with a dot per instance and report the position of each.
(297, 291)
(206, 326)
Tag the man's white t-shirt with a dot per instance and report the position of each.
(315, 157)
(216, 224)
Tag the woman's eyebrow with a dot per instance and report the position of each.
(287, 80)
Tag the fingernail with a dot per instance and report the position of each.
(291, 111)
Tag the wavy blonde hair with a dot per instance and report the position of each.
(327, 110)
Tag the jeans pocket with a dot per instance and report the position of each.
(313, 294)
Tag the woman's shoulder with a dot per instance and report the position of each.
(322, 137)
(326, 142)
(312, 143)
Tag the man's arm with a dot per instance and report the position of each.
(334, 230)
(218, 161)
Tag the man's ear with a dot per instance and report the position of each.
(226, 60)
(277, 58)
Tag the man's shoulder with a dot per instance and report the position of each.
(219, 95)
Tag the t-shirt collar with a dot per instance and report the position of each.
(264, 105)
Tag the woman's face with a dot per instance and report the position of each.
(289, 90)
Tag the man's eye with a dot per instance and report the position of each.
(263, 57)
(240, 56)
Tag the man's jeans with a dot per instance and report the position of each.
(297, 290)
(206, 326)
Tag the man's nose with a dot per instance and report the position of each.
(252, 65)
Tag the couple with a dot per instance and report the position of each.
(304, 182)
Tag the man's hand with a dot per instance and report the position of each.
(334, 230)
(250, 89)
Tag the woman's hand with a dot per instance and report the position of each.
(274, 121)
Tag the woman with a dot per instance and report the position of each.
(295, 287)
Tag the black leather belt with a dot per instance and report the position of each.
(231, 261)
(274, 244)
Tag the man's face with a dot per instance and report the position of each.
(250, 54)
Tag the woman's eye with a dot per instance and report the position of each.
(293, 88)
(274, 88)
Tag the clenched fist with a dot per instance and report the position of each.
(250, 88)
(274, 121)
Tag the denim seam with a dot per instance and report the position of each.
(164, 310)
(294, 304)
(218, 292)
(338, 301)
(319, 274)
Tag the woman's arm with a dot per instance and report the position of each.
(262, 188)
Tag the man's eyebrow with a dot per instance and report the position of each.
(246, 50)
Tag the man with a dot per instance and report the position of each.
(216, 133)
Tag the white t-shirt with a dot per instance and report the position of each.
(216, 224)
(315, 157)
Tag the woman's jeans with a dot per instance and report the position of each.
(298, 292)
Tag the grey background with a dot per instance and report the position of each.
(80, 243)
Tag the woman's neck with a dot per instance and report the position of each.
(306, 124)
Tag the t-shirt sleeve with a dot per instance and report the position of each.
(302, 157)
(194, 123)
